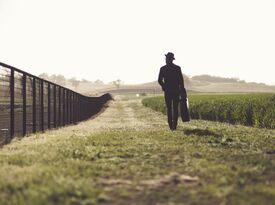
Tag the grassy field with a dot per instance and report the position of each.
(127, 155)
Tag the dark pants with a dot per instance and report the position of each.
(172, 102)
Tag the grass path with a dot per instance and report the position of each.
(127, 155)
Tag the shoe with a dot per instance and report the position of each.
(173, 128)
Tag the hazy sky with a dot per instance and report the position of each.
(127, 39)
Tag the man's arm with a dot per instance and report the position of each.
(181, 85)
(181, 81)
(160, 78)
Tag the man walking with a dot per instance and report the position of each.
(171, 80)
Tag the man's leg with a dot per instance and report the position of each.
(175, 109)
(168, 101)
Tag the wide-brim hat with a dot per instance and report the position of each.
(170, 55)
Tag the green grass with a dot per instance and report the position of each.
(248, 109)
(105, 161)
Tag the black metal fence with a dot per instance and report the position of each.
(29, 104)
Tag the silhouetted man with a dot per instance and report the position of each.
(171, 81)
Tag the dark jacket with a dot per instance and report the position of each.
(170, 78)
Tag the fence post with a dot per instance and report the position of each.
(71, 107)
(67, 107)
(34, 106)
(74, 114)
(59, 106)
(24, 103)
(54, 104)
(42, 104)
(49, 105)
(12, 103)
(76, 107)
(64, 110)
(79, 106)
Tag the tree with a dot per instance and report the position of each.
(44, 76)
(83, 80)
(59, 79)
(53, 78)
(99, 82)
(117, 83)
(75, 82)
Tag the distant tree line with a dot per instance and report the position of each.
(58, 79)
(215, 79)
(74, 82)
(61, 80)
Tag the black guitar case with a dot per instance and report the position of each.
(184, 112)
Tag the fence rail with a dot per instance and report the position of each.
(29, 104)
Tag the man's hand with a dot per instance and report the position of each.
(183, 92)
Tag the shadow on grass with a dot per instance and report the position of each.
(271, 152)
(201, 132)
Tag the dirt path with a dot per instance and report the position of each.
(123, 113)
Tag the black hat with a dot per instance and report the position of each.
(170, 55)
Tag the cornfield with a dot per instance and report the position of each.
(256, 110)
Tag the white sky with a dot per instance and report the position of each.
(127, 39)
